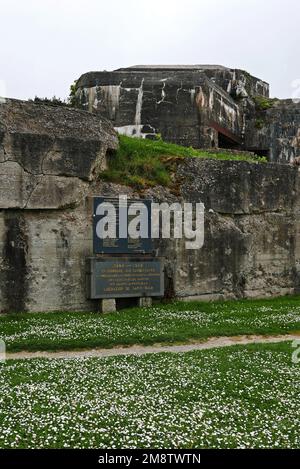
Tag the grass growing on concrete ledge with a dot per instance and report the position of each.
(168, 323)
(263, 103)
(144, 163)
(239, 397)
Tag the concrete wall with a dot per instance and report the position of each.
(251, 241)
(276, 130)
(251, 244)
(252, 229)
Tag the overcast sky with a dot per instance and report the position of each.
(46, 44)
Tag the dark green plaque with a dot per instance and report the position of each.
(124, 278)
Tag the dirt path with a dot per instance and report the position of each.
(213, 342)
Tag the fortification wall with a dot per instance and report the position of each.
(200, 106)
(275, 130)
(50, 166)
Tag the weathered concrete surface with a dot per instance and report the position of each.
(251, 244)
(190, 105)
(275, 131)
(48, 154)
(252, 228)
(203, 106)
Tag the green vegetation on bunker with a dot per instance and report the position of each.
(144, 163)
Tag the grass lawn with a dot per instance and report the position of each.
(166, 323)
(237, 397)
(144, 163)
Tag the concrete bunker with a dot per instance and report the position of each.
(51, 159)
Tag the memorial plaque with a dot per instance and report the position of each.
(124, 278)
(121, 244)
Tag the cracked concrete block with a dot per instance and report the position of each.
(16, 185)
(57, 192)
(48, 154)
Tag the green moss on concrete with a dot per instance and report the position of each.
(263, 104)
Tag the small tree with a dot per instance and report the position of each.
(72, 99)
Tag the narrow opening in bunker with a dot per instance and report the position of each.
(227, 143)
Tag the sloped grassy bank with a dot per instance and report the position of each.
(142, 163)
